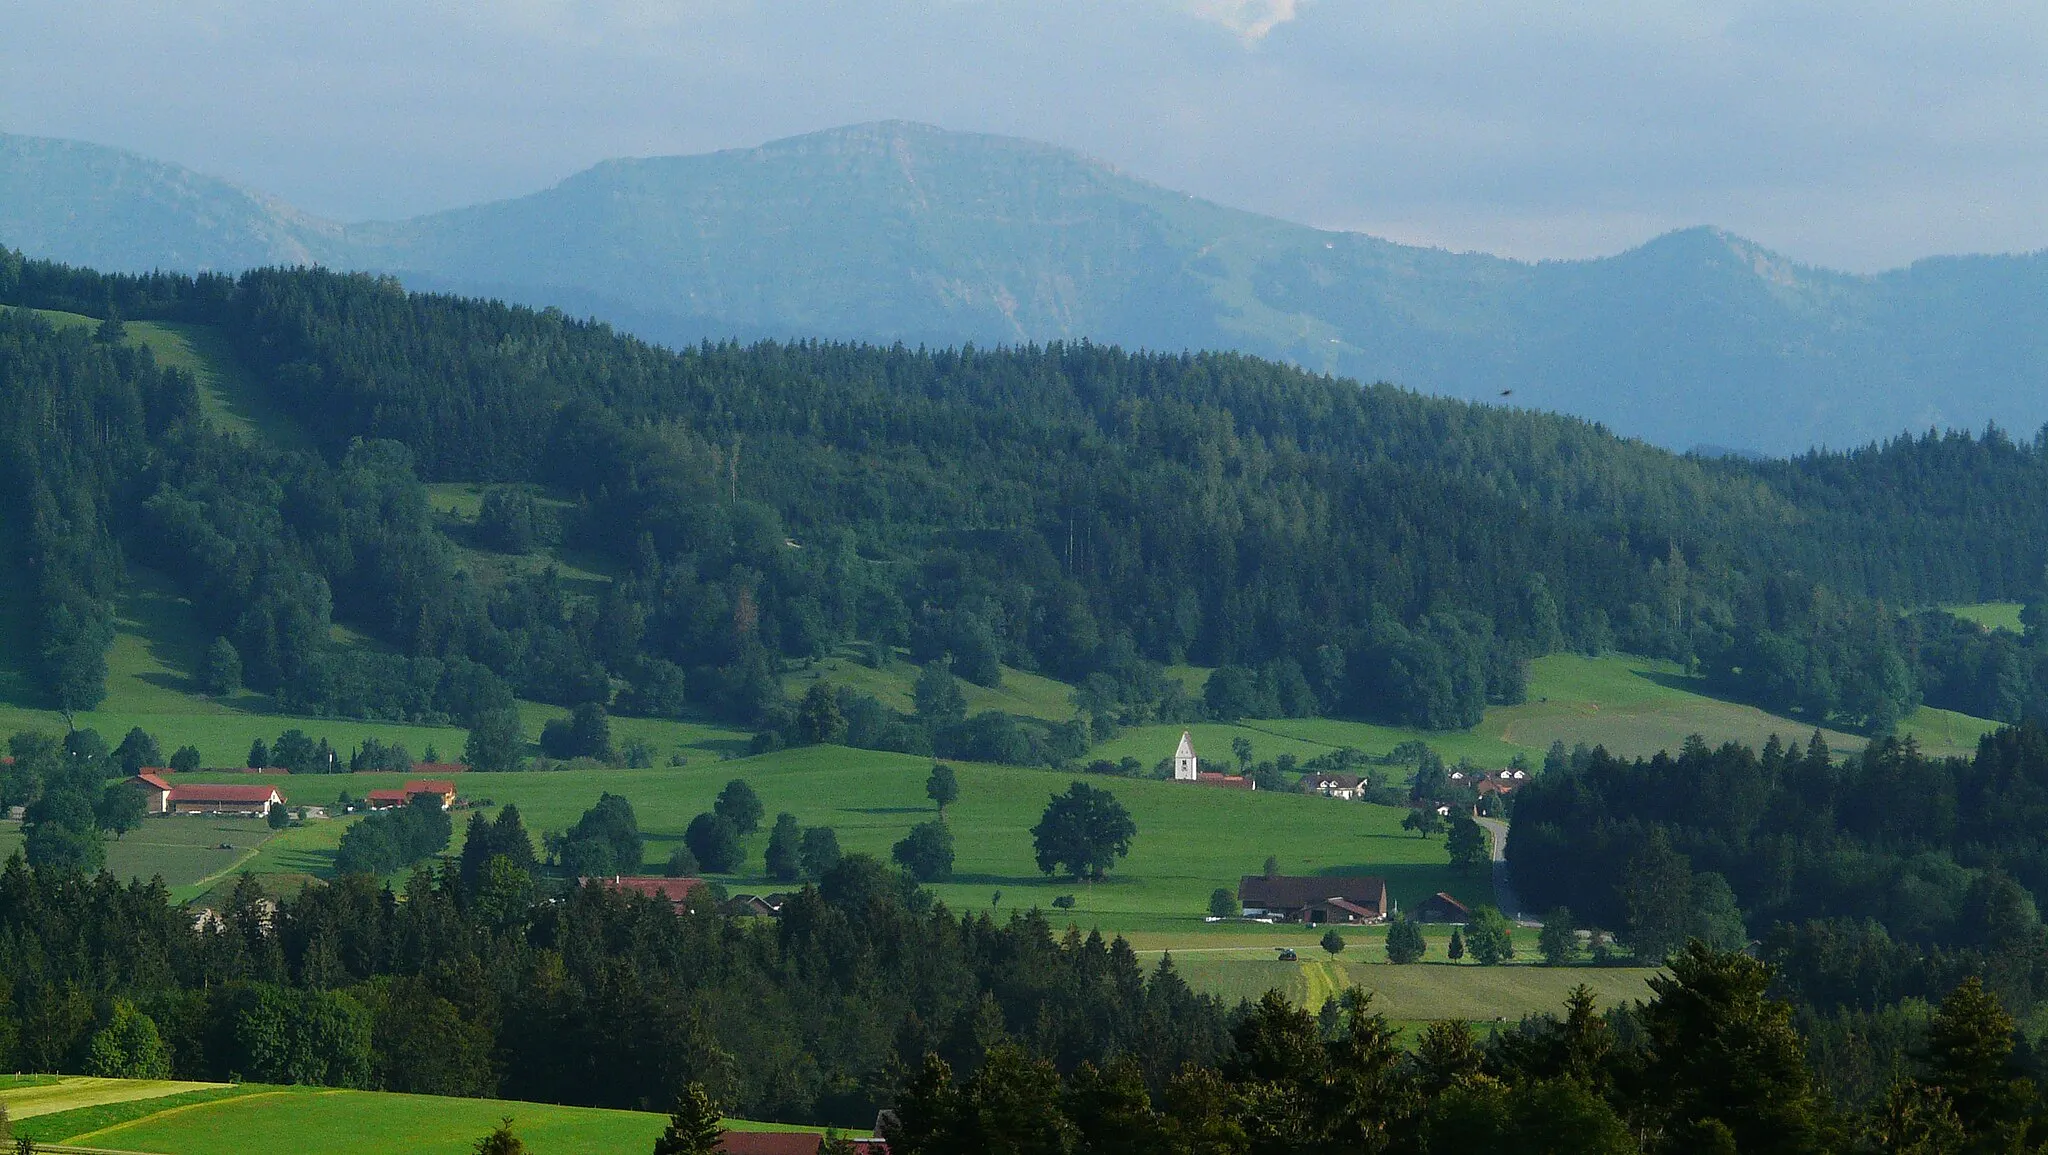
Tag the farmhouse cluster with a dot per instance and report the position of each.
(160, 795)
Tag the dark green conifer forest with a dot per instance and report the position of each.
(1079, 510)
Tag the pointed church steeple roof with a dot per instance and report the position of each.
(1186, 749)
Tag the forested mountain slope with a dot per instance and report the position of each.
(116, 210)
(1074, 509)
(895, 231)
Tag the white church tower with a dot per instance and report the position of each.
(1185, 767)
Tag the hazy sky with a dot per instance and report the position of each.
(1853, 134)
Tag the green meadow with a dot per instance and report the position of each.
(1992, 615)
(168, 1118)
(1190, 839)
(1417, 993)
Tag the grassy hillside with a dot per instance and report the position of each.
(1631, 705)
(170, 1118)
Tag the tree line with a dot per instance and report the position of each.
(1883, 877)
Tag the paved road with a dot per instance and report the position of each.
(1503, 889)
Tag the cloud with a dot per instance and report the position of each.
(1250, 19)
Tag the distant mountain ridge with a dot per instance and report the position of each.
(896, 231)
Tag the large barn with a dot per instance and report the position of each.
(160, 797)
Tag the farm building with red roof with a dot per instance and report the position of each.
(205, 798)
(403, 796)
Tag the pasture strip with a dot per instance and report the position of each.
(159, 1116)
(84, 1122)
(1324, 983)
(73, 1092)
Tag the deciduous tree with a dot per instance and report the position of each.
(1083, 831)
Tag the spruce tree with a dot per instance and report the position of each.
(693, 1126)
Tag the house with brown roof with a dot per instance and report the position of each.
(205, 798)
(674, 891)
(1226, 781)
(1441, 907)
(1314, 899)
(439, 768)
(436, 788)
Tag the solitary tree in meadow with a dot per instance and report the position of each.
(1222, 903)
(943, 787)
(1084, 831)
(926, 852)
(1333, 942)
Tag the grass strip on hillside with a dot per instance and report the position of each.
(82, 1122)
(326, 1121)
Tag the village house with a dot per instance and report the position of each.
(1441, 907)
(1345, 787)
(1188, 768)
(1313, 899)
(677, 892)
(403, 796)
(435, 769)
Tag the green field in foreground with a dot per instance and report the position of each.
(1190, 839)
(213, 1119)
